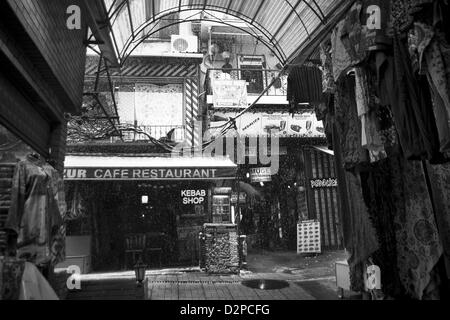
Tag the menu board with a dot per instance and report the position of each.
(308, 237)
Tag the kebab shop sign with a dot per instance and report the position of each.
(193, 196)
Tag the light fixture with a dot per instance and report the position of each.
(248, 175)
(139, 271)
(144, 200)
(262, 184)
(226, 55)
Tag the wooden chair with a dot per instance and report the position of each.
(134, 246)
(154, 245)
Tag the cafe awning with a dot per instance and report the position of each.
(97, 168)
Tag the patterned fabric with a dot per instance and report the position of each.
(11, 272)
(418, 244)
(340, 58)
(76, 209)
(58, 242)
(419, 38)
(431, 56)
(402, 12)
(378, 191)
(360, 238)
(348, 124)
(353, 35)
(34, 212)
(328, 85)
(370, 136)
(440, 175)
(438, 72)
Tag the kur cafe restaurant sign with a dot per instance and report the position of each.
(146, 173)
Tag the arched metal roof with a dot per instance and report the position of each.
(285, 25)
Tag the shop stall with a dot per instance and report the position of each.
(146, 207)
(385, 106)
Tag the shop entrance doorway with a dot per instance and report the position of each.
(157, 221)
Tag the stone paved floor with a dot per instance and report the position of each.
(310, 278)
(214, 287)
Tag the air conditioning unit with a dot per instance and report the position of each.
(184, 43)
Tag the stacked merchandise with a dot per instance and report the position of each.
(386, 107)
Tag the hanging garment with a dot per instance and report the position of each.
(403, 11)
(440, 184)
(341, 60)
(418, 244)
(11, 272)
(378, 192)
(438, 72)
(76, 209)
(431, 56)
(410, 101)
(34, 213)
(348, 124)
(370, 136)
(34, 286)
(328, 85)
(360, 237)
(324, 114)
(58, 244)
(305, 85)
(353, 35)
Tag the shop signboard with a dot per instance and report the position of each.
(261, 174)
(324, 183)
(223, 190)
(242, 198)
(190, 197)
(230, 94)
(277, 124)
(308, 237)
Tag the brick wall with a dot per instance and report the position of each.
(62, 49)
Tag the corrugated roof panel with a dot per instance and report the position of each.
(273, 16)
(286, 22)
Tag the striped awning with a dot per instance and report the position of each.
(146, 67)
(285, 25)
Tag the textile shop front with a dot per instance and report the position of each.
(125, 208)
(386, 109)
